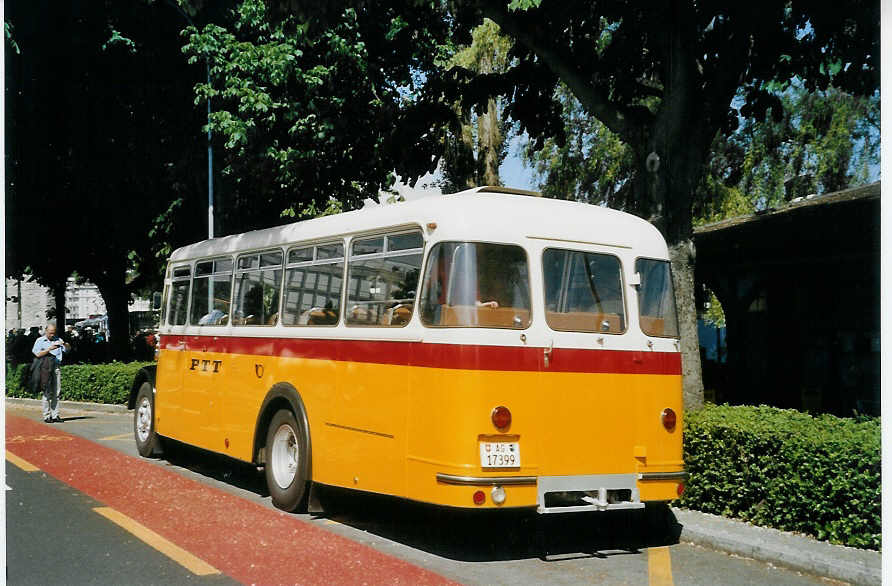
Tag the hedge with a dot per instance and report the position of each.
(788, 470)
(93, 383)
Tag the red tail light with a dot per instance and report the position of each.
(668, 418)
(479, 497)
(501, 418)
(680, 489)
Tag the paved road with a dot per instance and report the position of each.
(56, 536)
(213, 504)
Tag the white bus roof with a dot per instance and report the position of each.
(496, 214)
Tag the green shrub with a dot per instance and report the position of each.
(788, 470)
(92, 383)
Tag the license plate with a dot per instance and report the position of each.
(499, 455)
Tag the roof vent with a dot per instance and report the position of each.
(509, 190)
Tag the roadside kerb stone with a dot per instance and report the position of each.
(70, 405)
(797, 552)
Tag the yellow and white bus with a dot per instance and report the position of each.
(483, 349)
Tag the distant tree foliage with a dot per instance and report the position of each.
(472, 156)
(822, 141)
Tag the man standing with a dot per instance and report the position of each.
(50, 348)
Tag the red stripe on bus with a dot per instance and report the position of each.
(429, 355)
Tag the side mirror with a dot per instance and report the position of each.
(156, 301)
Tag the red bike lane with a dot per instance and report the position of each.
(244, 540)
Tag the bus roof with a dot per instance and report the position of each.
(482, 213)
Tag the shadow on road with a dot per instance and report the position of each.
(494, 535)
(458, 534)
(221, 468)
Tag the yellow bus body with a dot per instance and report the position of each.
(392, 428)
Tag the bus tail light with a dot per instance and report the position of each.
(498, 495)
(479, 497)
(501, 418)
(680, 489)
(668, 418)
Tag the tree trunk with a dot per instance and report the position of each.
(489, 142)
(668, 172)
(114, 292)
(59, 298)
(682, 255)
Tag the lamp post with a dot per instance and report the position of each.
(210, 143)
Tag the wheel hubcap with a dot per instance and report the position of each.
(144, 420)
(283, 456)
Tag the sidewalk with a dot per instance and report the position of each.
(68, 406)
(788, 550)
(797, 552)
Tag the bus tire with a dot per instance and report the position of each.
(286, 461)
(144, 421)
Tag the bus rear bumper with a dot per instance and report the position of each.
(577, 493)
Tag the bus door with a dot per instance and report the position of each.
(172, 359)
(200, 405)
(203, 375)
(586, 406)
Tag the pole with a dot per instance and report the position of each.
(210, 165)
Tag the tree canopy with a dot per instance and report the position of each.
(318, 103)
(822, 141)
(310, 112)
(102, 141)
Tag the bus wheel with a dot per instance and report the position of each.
(286, 461)
(144, 421)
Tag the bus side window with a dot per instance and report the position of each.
(313, 285)
(656, 299)
(382, 279)
(179, 296)
(211, 292)
(257, 284)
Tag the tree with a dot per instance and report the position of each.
(823, 141)
(664, 77)
(105, 151)
(311, 109)
(472, 156)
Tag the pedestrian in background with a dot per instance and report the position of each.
(46, 373)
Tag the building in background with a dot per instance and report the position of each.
(27, 303)
(800, 290)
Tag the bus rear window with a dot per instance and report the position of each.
(583, 292)
(473, 284)
(656, 298)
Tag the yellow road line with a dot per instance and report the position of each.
(176, 553)
(23, 464)
(659, 566)
(120, 436)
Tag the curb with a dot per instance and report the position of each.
(69, 405)
(796, 552)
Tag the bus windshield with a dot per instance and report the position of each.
(474, 284)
